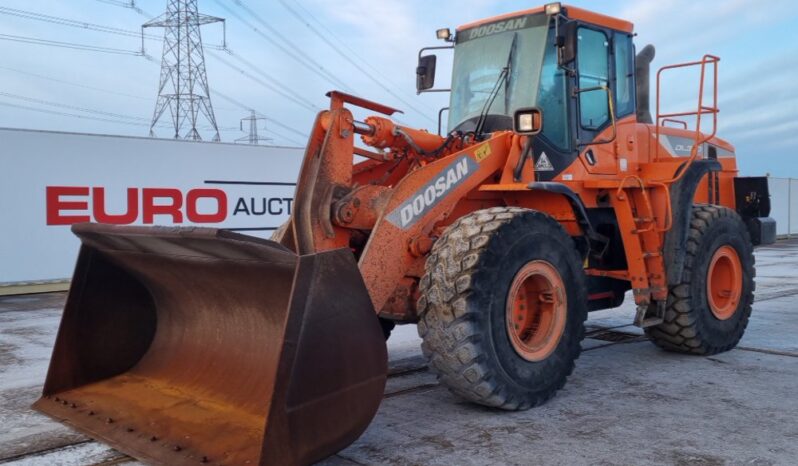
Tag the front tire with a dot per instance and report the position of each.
(708, 311)
(502, 307)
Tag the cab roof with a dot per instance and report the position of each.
(571, 12)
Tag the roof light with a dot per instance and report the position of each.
(553, 8)
(444, 34)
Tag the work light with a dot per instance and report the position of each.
(444, 34)
(553, 8)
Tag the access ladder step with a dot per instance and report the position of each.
(650, 315)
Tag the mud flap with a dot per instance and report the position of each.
(188, 346)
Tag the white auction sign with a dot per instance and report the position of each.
(51, 180)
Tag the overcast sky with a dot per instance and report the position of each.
(371, 47)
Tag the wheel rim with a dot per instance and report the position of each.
(724, 282)
(536, 310)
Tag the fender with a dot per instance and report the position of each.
(682, 193)
(420, 200)
(596, 242)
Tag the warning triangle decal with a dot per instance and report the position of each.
(543, 164)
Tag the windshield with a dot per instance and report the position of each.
(481, 55)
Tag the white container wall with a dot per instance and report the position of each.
(50, 180)
(784, 205)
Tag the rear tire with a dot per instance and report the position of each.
(708, 311)
(469, 295)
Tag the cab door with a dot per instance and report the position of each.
(593, 115)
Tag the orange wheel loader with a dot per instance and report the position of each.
(555, 191)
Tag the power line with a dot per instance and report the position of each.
(104, 116)
(68, 45)
(272, 79)
(131, 4)
(73, 115)
(348, 57)
(118, 116)
(69, 83)
(266, 117)
(72, 23)
(296, 98)
(284, 137)
(113, 117)
(93, 88)
(127, 4)
(61, 21)
(286, 47)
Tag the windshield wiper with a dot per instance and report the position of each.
(510, 66)
(504, 77)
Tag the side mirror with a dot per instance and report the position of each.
(528, 121)
(566, 44)
(425, 72)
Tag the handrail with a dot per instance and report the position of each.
(702, 109)
(671, 120)
(643, 188)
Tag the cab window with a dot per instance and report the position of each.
(593, 66)
(553, 98)
(624, 89)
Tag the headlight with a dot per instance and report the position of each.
(528, 121)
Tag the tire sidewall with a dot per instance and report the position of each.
(557, 250)
(724, 231)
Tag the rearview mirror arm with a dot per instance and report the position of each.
(420, 52)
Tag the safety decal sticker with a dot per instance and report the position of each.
(482, 152)
(544, 164)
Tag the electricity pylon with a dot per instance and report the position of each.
(252, 137)
(183, 88)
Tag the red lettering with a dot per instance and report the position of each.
(150, 209)
(55, 205)
(191, 206)
(101, 216)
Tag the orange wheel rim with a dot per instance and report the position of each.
(536, 310)
(724, 282)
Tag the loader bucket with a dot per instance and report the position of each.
(185, 346)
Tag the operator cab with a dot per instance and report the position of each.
(539, 58)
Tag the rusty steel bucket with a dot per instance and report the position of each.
(185, 346)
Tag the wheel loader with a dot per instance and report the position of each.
(554, 192)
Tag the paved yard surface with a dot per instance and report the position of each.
(626, 403)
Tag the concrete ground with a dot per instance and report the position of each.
(626, 403)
